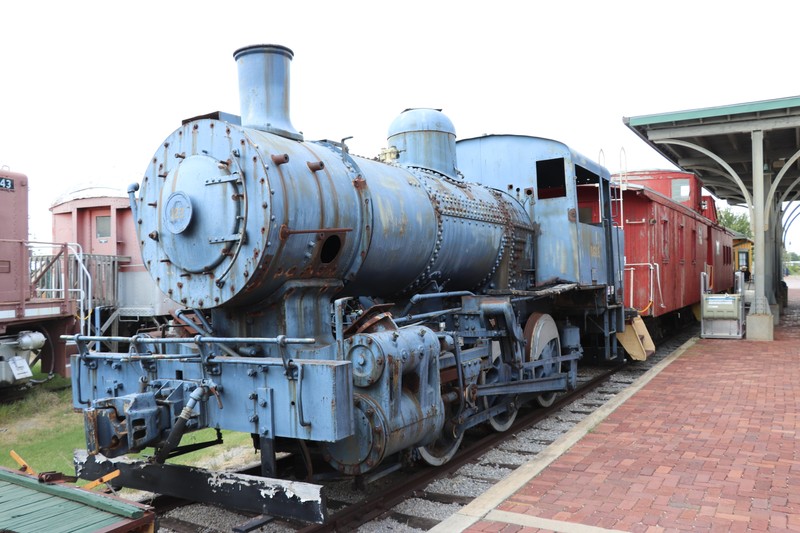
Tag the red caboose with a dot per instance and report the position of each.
(671, 236)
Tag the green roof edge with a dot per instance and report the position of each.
(708, 112)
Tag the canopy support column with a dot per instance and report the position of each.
(759, 321)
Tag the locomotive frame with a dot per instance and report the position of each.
(367, 311)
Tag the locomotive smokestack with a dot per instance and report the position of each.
(264, 88)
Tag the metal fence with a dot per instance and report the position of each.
(93, 278)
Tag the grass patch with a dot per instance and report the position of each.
(44, 430)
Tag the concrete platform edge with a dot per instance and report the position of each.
(489, 500)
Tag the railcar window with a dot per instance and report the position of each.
(551, 179)
(587, 183)
(585, 177)
(103, 227)
(680, 190)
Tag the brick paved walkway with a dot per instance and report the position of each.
(709, 444)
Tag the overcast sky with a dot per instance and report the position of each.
(90, 89)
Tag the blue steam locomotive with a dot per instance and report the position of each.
(363, 311)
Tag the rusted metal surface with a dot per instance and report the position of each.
(289, 499)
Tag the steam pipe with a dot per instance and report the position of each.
(132, 188)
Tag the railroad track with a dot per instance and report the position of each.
(409, 501)
(354, 516)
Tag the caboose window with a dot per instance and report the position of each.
(680, 190)
(551, 178)
(103, 227)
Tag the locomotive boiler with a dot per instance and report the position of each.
(364, 312)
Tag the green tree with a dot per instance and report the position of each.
(791, 256)
(738, 222)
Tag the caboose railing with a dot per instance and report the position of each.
(58, 271)
(104, 274)
(654, 282)
(93, 279)
(62, 274)
(43, 269)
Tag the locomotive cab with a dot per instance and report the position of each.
(569, 199)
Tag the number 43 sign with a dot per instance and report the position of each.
(7, 184)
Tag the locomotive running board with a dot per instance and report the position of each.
(276, 497)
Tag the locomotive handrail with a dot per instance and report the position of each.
(198, 339)
(300, 415)
(242, 216)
